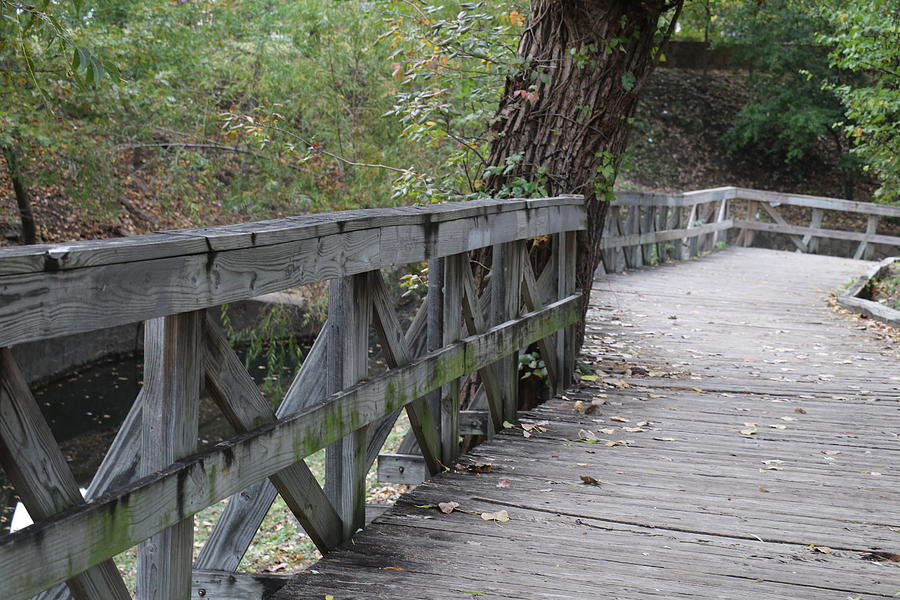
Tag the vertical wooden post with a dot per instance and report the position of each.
(349, 316)
(663, 249)
(864, 250)
(633, 227)
(746, 237)
(172, 371)
(721, 215)
(811, 241)
(506, 281)
(452, 326)
(564, 251)
(434, 329)
(647, 227)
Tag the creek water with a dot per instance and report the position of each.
(86, 407)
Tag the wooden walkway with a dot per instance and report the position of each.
(745, 441)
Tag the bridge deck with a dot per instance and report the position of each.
(764, 459)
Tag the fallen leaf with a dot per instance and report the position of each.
(586, 434)
(580, 406)
(750, 425)
(612, 443)
(878, 556)
(589, 378)
(831, 452)
(800, 411)
(503, 483)
(501, 515)
(778, 426)
(480, 467)
(588, 480)
(447, 507)
(633, 429)
(424, 505)
(387, 569)
(507, 425)
(822, 549)
(619, 419)
(664, 439)
(788, 419)
(764, 490)
(747, 432)
(526, 434)
(329, 597)
(607, 430)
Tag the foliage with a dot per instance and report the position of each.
(788, 110)
(865, 39)
(450, 62)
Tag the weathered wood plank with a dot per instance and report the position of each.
(397, 354)
(533, 302)
(39, 557)
(38, 470)
(43, 305)
(236, 394)
(225, 585)
(408, 469)
(822, 233)
(349, 318)
(245, 511)
(454, 272)
(170, 417)
(656, 237)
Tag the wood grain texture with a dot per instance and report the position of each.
(41, 556)
(40, 475)
(349, 318)
(42, 305)
(688, 508)
(236, 394)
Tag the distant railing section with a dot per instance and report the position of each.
(153, 479)
(645, 228)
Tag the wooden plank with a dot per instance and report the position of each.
(474, 422)
(234, 531)
(776, 216)
(822, 233)
(666, 236)
(566, 288)
(863, 251)
(236, 394)
(454, 271)
(533, 302)
(43, 305)
(226, 585)
(169, 424)
(408, 469)
(875, 310)
(38, 471)
(397, 354)
(815, 222)
(647, 226)
(476, 324)
(39, 557)
(506, 281)
(349, 318)
(663, 250)
(866, 208)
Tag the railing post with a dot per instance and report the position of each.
(172, 371)
(452, 326)
(434, 331)
(564, 252)
(506, 281)
(349, 316)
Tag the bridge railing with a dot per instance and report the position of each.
(646, 227)
(153, 479)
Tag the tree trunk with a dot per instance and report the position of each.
(29, 231)
(565, 117)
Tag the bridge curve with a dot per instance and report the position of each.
(740, 441)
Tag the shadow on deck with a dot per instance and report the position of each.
(745, 444)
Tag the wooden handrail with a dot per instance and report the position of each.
(168, 280)
(645, 227)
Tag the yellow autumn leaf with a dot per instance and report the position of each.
(516, 18)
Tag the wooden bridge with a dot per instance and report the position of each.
(738, 437)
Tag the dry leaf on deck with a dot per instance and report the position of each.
(619, 419)
(588, 480)
(447, 507)
(501, 515)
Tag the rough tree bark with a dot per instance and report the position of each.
(567, 112)
(29, 231)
